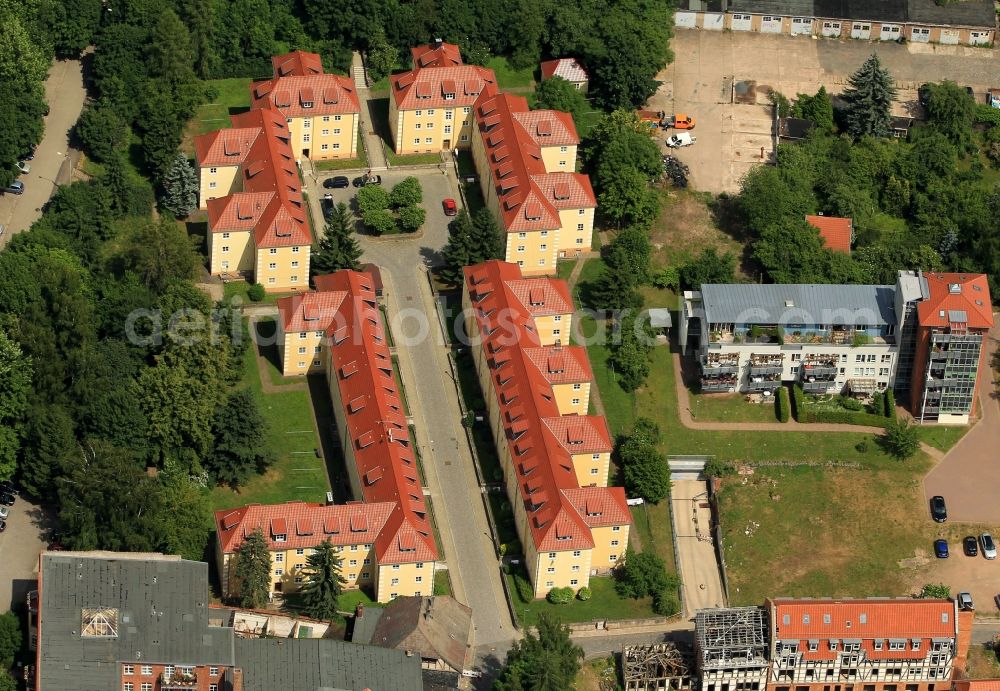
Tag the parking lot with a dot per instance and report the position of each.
(976, 575)
(20, 545)
(700, 83)
(437, 185)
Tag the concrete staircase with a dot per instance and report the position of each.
(358, 71)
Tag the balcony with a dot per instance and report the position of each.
(717, 384)
(822, 386)
(766, 365)
(178, 681)
(763, 383)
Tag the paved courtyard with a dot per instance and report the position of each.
(20, 545)
(698, 568)
(730, 136)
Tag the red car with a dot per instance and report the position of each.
(450, 208)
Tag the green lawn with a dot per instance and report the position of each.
(350, 599)
(240, 288)
(509, 78)
(652, 525)
(808, 531)
(233, 98)
(726, 407)
(941, 437)
(466, 166)
(588, 121)
(360, 162)
(604, 604)
(410, 159)
(442, 583)
(297, 472)
(266, 327)
(565, 267)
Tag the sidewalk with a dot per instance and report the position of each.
(373, 143)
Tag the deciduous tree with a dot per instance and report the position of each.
(407, 192)
(241, 446)
(102, 131)
(643, 574)
(546, 662)
(157, 252)
(645, 468)
(559, 94)
(411, 218)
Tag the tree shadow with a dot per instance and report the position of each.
(489, 667)
(431, 257)
(264, 339)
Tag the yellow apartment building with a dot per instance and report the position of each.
(554, 456)
(527, 162)
(257, 220)
(322, 110)
(430, 106)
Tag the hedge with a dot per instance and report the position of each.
(784, 406)
(560, 596)
(890, 404)
(806, 414)
(524, 589)
(798, 402)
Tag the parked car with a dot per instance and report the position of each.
(970, 545)
(3, 526)
(989, 547)
(939, 512)
(678, 121)
(10, 488)
(4, 512)
(7, 499)
(16, 187)
(965, 602)
(941, 549)
(363, 180)
(450, 207)
(337, 182)
(675, 141)
(23, 166)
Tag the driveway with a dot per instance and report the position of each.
(969, 474)
(423, 364)
(52, 166)
(20, 544)
(730, 136)
(698, 568)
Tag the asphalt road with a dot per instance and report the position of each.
(699, 570)
(448, 465)
(52, 165)
(20, 545)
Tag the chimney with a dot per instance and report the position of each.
(359, 611)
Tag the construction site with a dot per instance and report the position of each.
(731, 648)
(661, 667)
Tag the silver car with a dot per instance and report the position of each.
(989, 547)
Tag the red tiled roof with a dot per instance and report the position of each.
(600, 506)
(567, 68)
(543, 467)
(560, 364)
(977, 685)
(298, 63)
(424, 88)
(271, 203)
(566, 190)
(953, 293)
(542, 296)
(442, 55)
(549, 127)
(329, 94)
(225, 147)
(326, 522)
(580, 433)
(315, 311)
(361, 365)
(836, 232)
(867, 620)
(526, 193)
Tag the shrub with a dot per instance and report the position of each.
(890, 404)
(784, 406)
(877, 404)
(716, 468)
(900, 439)
(255, 292)
(861, 446)
(560, 596)
(584, 594)
(850, 404)
(935, 591)
(523, 588)
(666, 603)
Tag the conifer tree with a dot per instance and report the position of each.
(180, 187)
(869, 98)
(338, 249)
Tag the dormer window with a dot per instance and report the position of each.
(307, 104)
(280, 537)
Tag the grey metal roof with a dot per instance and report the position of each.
(659, 318)
(324, 665)
(162, 616)
(976, 13)
(809, 303)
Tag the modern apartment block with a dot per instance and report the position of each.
(322, 110)
(141, 622)
(971, 23)
(953, 323)
(873, 644)
(257, 223)
(389, 536)
(527, 161)
(554, 456)
(430, 106)
(923, 337)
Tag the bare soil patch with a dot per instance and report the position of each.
(685, 228)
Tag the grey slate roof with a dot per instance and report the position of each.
(324, 665)
(966, 13)
(810, 304)
(364, 628)
(162, 616)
